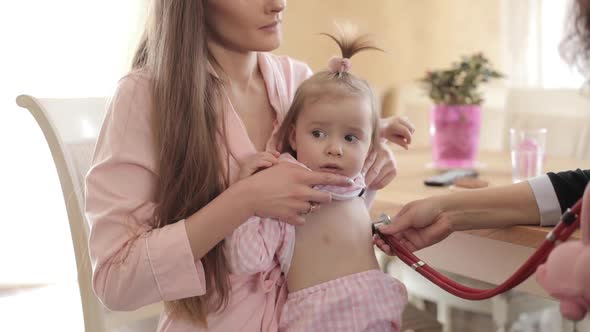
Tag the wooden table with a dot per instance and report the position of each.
(486, 255)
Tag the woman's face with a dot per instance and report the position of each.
(245, 25)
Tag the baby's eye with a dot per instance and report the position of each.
(351, 138)
(318, 134)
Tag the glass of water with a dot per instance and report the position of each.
(527, 147)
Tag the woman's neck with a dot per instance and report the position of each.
(241, 68)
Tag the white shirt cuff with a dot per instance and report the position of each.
(547, 202)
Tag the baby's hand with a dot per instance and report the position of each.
(258, 161)
(398, 130)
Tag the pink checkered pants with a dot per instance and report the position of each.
(365, 301)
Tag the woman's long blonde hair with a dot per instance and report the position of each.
(323, 82)
(185, 98)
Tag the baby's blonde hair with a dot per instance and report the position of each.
(328, 82)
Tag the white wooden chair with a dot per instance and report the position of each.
(564, 112)
(71, 128)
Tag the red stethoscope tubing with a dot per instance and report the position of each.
(567, 225)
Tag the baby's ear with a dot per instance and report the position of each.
(292, 138)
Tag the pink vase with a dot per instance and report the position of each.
(454, 133)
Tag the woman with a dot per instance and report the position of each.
(538, 201)
(202, 96)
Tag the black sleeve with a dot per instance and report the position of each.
(569, 186)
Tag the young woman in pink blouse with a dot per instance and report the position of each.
(202, 97)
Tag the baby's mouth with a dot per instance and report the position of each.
(331, 168)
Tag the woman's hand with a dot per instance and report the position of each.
(397, 130)
(380, 167)
(285, 191)
(257, 162)
(419, 224)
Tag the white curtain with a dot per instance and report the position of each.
(50, 48)
(533, 30)
(522, 41)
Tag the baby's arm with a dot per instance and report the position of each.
(251, 247)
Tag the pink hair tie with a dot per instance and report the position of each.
(339, 65)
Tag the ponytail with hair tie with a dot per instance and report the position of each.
(350, 43)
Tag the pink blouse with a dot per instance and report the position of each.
(134, 265)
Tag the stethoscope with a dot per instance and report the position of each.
(570, 221)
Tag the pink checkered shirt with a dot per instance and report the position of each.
(260, 243)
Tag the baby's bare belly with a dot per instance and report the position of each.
(335, 241)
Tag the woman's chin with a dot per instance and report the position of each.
(269, 43)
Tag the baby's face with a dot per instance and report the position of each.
(333, 134)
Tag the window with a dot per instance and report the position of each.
(533, 30)
(555, 73)
(58, 48)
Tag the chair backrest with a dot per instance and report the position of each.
(565, 113)
(71, 128)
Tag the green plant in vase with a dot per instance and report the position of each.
(455, 120)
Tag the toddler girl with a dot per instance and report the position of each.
(333, 277)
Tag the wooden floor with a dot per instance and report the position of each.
(420, 321)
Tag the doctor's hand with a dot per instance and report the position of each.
(419, 224)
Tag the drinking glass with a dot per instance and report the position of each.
(527, 148)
